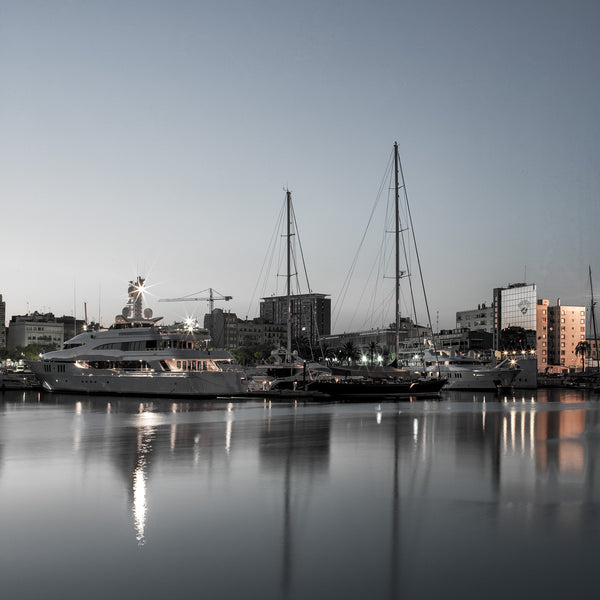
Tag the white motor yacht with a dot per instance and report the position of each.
(136, 356)
(468, 372)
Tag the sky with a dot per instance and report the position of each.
(157, 138)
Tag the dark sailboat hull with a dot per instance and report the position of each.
(405, 390)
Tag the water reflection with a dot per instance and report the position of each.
(359, 500)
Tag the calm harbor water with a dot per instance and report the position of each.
(472, 496)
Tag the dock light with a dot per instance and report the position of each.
(364, 358)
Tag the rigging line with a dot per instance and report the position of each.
(346, 283)
(309, 289)
(268, 254)
(380, 259)
(417, 253)
(276, 246)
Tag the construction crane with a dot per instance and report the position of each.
(193, 298)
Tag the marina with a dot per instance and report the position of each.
(396, 392)
(154, 497)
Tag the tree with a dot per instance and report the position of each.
(373, 350)
(583, 349)
(350, 352)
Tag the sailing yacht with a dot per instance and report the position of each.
(393, 382)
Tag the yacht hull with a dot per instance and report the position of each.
(108, 381)
(478, 379)
(426, 388)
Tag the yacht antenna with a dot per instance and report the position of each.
(593, 304)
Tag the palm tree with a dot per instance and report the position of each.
(350, 352)
(373, 349)
(584, 349)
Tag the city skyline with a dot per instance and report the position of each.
(156, 139)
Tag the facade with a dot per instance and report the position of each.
(479, 319)
(258, 332)
(37, 329)
(227, 331)
(383, 341)
(559, 330)
(594, 357)
(72, 326)
(2, 323)
(514, 309)
(311, 315)
(223, 328)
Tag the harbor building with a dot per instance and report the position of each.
(223, 328)
(37, 329)
(514, 309)
(258, 332)
(593, 360)
(311, 315)
(2, 323)
(479, 319)
(382, 342)
(72, 326)
(559, 329)
(227, 331)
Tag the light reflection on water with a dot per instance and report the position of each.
(299, 500)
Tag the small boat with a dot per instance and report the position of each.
(135, 356)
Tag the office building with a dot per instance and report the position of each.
(35, 329)
(559, 330)
(310, 313)
(514, 309)
(479, 319)
(223, 328)
(2, 323)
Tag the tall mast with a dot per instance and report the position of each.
(397, 235)
(593, 316)
(289, 276)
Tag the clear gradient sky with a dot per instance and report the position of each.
(156, 137)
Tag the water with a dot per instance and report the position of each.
(473, 496)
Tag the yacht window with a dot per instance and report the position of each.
(179, 364)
